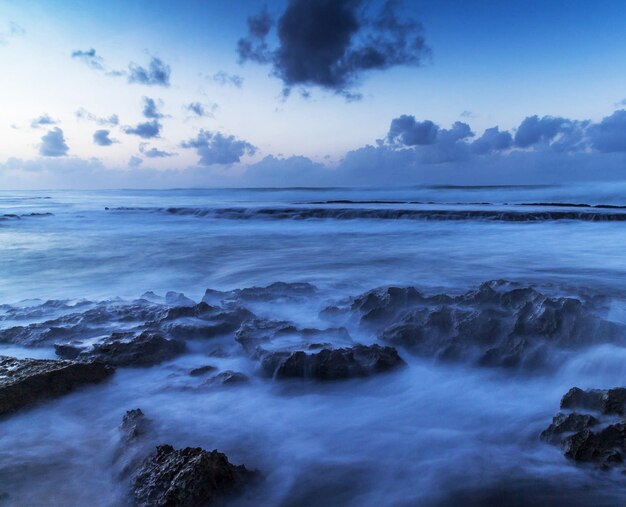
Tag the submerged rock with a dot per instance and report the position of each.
(228, 378)
(189, 477)
(202, 370)
(332, 364)
(124, 349)
(597, 439)
(24, 382)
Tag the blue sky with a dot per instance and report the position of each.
(489, 64)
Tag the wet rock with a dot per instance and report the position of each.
(227, 378)
(567, 423)
(332, 364)
(134, 425)
(597, 439)
(606, 447)
(123, 349)
(202, 370)
(273, 292)
(201, 321)
(24, 382)
(499, 324)
(178, 299)
(189, 477)
(257, 334)
(605, 401)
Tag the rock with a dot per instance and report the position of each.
(607, 401)
(24, 382)
(178, 299)
(227, 378)
(273, 292)
(606, 447)
(202, 370)
(123, 349)
(134, 425)
(189, 477)
(567, 423)
(500, 324)
(332, 364)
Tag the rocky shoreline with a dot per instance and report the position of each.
(499, 325)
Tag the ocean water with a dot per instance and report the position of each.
(434, 433)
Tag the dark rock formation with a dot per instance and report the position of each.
(597, 439)
(124, 349)
(332, 364)
(134, 425)
(189, 477)
(24, 382)
(273, 292)
(609, 401)
(567, 423)
(499, 324)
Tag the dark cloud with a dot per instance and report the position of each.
(153, 152)
(217, 148)
(610, 134)
(83, 114)
(53, 144)
(157, 73)
(151, 109)
(145, 130)
(101, 138)
(492, 140)
(253, 47)
(407, 131)
(224, 79)
(332, 43)
(43, 120)
(560, 134)
(89, 58)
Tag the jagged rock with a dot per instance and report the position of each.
(607, 401)
(124, 349)
(227, 378)
(567, 423)
(332, 364)
(134, 425)
(178, 299)
(189, 477)
(201, 321)
(24, 382)
(606, 447)
(274, 291)
(499, 324)
(202, 370)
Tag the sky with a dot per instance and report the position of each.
(158, 94)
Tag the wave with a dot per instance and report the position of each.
(297, 213)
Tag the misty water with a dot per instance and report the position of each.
(434, 433)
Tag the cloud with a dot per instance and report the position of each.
(225, 79)
(53, 144)
(559, 134)
(145, 130)
(409, 132)
(151, 109)
(154, 153)
(157, 73)
(43, 120)
(89, 58)
(491, 141)
(134, 162)
(83, 114)
(331, 44)
(610, 134)
(101, 138)
(200, 110)
(217, 148)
